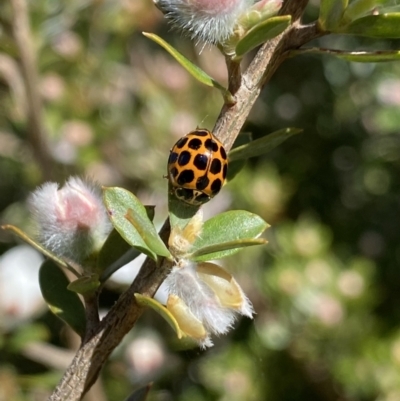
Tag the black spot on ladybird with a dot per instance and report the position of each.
(201, 133)
(216, 166)
(184, 158)
(211, 145)
(173, 157)
(182, 142)
(225, 171)
(201, 161)
(223, 153)
(202, 183)
(195, 143)
(185, 177)
(216, 185)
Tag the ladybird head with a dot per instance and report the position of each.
(191, 196)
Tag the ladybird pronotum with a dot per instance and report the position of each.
(197, 167)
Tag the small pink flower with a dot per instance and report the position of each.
(211, 21)
(72, 221)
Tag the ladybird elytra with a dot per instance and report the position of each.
(197, 167)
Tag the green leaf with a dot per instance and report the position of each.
(359, 57)
(130, 219)
(359, 8)
(40, 248)
(193, 69)
(383, 26)
(179, 212)
(236, 166)
(218, 251)
(331, 13)
(144, 301)
(371, 57)
(140, 395)
(114, 254)
(85, 285)
(261, 33)
(149, 233)
(65, 304)
(226, 233)
(262, 145)
(257, 13)
(151, 211)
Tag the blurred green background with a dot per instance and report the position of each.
(326, 289)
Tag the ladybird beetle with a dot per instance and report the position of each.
(197, 167)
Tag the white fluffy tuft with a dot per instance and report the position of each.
(72, 221)
(211, 21)
(200, 299)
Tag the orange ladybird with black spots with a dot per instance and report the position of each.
(197, 167)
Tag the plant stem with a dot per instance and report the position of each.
(35, 129)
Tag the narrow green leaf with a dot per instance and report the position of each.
(179, 212)
(130, 219)
(140, 395)
(226, 233)
(148, 232)
(65, 304)
(40, 248)
(85, 285)
(193, 69)
(257, 13)
(144, 301)
(151, 211)
(114, 248)
(331, 13)
(359, 57)
(218, 251)
(236, 166)
(262, 145)
(359, 8)
(371, 57)
(116, 252)
(261, 33)
(383, 26)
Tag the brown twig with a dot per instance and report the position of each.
(260, 70)
(94, 352)
(35, 129)
(92, 314)
(89, 360)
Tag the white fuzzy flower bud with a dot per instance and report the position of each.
(72, 221)
(211, 21)
(208, 298)
(200, 299)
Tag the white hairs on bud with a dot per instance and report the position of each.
(184, 282)
(211, 21)
(72, 222)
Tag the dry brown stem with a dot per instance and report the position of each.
(34, 128)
